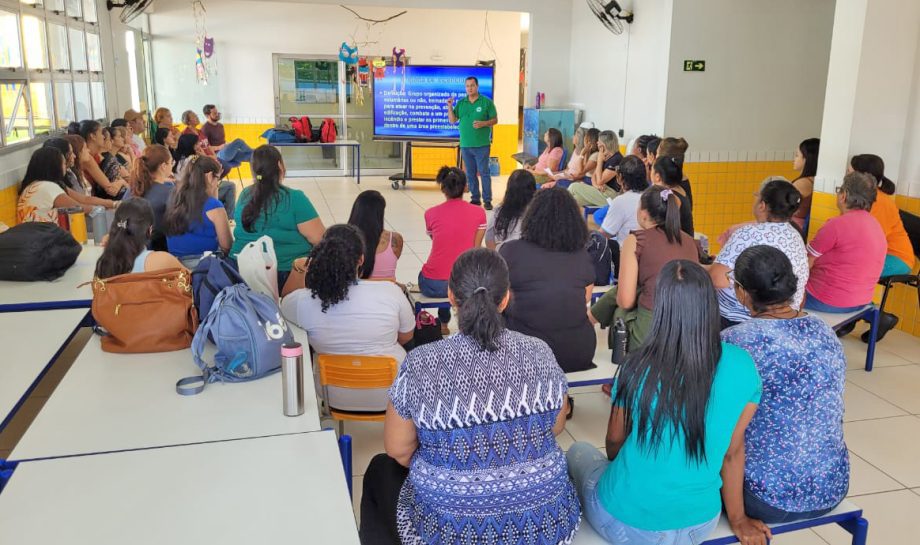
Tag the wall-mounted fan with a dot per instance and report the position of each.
(130, 8)
(611, 14)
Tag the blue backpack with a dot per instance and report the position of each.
(212, 274)
(248, 330)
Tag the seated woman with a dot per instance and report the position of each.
(91, 132)
(384, 248)
(195, 221)
(505, 222)
(847, 254)
(152, 180)
(797, 436)
(167, 138)
(651, 154)
(43, 190)
(552, 277)
(454, 226)
(551, 157)
(582, 163)
(676, 148)
(603, 181)
(774, 206)
(121, 148)
(343, 314)
(113, 169)
(126, 250)
(667, 450)
(644, 253)
(621, 218)
(267, 207)
(191, 122)
(72, 180)
(805, 161)
(667, 172)
(163, 119)
(457, 469)
(189, 146)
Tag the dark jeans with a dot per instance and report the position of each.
(756, 508)
(476, 161)
(382, 482)
(435, 288)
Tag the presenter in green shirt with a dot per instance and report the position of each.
(476, 115)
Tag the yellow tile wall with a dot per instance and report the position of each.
(902, 300)
(8, 198)
(723, 192)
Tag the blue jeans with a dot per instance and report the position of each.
(226, 194)
(586, 466)
(756, 508)
(812, 303)
(894, 265)
(476, 161)
(435, 288)
(235, 153)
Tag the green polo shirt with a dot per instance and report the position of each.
(467, 112)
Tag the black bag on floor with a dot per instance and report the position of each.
(598, 248)
(34, 251)
(427, 329)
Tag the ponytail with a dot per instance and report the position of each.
(663, 207)
(266, 187)
(874, 166)
(145, 166)
(669, 169)
(334, 265)
(479, 283)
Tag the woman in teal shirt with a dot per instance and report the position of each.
(670, 451)
(268, 208)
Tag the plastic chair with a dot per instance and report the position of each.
(563, 161)
(912, 226)
(355, 372)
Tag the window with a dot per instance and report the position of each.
(10, 54)
(33, 33)
(63, 104)
(51, 67)
(57, 44)
(77, 49)
(98, 91)
(93, 52)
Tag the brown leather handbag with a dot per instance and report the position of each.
(145, 312)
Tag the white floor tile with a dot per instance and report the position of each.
(902, 344)
(890, 444)
(589, 424)
(861, 404)
(892, 520)
(855, 351)
(867, 479)
(899, 386)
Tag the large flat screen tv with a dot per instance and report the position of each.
(413, 107)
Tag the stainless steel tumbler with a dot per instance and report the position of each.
(292, 378)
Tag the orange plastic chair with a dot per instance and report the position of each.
(356, 372)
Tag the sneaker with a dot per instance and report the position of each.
(475, 202)
(886, 323)
(488, 205)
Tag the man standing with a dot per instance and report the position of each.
(137, 121)
(234, 153)
(476, 115)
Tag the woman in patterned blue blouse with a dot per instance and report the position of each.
(796, 463)
(474, 418)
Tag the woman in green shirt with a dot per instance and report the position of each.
(671, 446)
(269, 208)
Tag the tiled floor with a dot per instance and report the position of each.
(882, 419)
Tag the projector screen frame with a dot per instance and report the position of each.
(389, 138)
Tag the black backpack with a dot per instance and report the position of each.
(601, 257)
(34, 251)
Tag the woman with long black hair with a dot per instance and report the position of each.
(343, 314)
(668, 172)
(195, 221)
(805, 161)
(267, 207)
(92, 134)
(383, 247)
(505, 222)
(43, 189)
(126, 250)
(681, 404)
(470, 432)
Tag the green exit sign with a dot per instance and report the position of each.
(694, 66)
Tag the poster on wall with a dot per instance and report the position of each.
(316, 82)
(412, 106)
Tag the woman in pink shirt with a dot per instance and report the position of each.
(550, 158)
(848, 252)
(454, 226)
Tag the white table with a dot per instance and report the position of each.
(287, 489)
(110, 402)
(32, 341)
(61, 293)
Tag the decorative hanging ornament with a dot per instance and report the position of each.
(400, 61)
(380, 67)
(208, 47)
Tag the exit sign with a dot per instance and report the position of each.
(694, 66)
